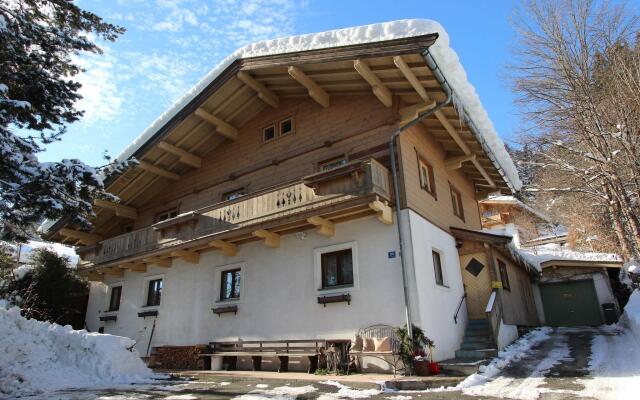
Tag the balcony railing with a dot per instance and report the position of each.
(344, 187)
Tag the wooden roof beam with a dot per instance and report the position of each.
(456, 162)
(84, 237)
(264, 94)
(269, 239)
(222, 127)
(385, 215)
(120, 209)
(226, 248)
(379, 89)
(147, 166)
(184, 156)
(325, 227)
(409, 113)
(315, 91)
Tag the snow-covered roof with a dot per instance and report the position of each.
(513, 201)
(540, 255)
(465, 97)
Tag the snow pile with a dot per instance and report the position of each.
(22, 271)
(42, 357)
(615, 358)
(347, 392)
(514, 352)
(465, 97)
(280, 393)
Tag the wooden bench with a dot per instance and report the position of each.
(380, 331)
(312, 349)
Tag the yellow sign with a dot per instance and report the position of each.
(496, 285)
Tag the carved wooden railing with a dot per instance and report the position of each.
(340, 185)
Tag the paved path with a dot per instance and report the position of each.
(551, 370)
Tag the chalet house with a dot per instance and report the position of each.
(575, 288)
(263, 206)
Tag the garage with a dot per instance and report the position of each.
(571, 303)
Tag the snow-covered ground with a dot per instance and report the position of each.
(40, 357)
(615, 360)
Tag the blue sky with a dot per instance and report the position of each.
(170, 44)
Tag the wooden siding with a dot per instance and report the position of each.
(518, 304)
(417, 141)
(478, 288)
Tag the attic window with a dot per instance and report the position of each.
(164, 215)
(234, 194)
(268, 133)
(332, 163)
(427, 178)
(286, 126)
(456, 203)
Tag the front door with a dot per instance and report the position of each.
(573, 303)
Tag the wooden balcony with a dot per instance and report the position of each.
(350, 191)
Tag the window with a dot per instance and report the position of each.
(114, 300)
(427, 179)
(437, 267)
(268, 133)
(286, 127)
(332, 163)
(154, 292)
(456, 203)
(234, 194)
(161, 216)
(503, 275)
(337, 268)
(230, 284)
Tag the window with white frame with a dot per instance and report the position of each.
(427, 177)
(286, 126)
(114, 298)
(268, 133)
(336, 267)
(437, 267)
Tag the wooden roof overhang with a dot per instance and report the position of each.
(394, 71)
(581, 263)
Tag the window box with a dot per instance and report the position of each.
(149, 313)
(338, 298)
(225, 310)
(106, 318)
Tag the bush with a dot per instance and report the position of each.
(49, 290)
(412, 348)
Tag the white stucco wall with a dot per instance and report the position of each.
(279, 291)
(433, 306)
(506, 335)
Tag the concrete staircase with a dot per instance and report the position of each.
(477, 348)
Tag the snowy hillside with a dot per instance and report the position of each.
(39, 357)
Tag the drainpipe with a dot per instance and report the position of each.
(433, 66)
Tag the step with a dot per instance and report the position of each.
(478, 322)
(477, 338)
(476, 354)
(461, 366)
(477, 346)
(477, 328)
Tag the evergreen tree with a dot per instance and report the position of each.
(38, 93)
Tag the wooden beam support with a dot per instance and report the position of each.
(417, 86)
(315, 91)
(384, 211)
(456, 162)
(226, 248)
(192, 257)
(184, 156)
(222, 127)
(116, 272)
(264, 94)
(325, 227)
(270, 239)
(120, 209)
(379, 89)
(135, 267)
(95, 277)
(147, 166)
(158, 261)
(84, 237)
(409, 113)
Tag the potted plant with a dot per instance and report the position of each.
(412, 351)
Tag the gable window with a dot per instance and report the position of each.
(230, 284)
(114, 299)
(332, 163)
(154, 292)
(268, 133)
(437, 267)
(427, 178)
(164, 215)
(504, 277)
(337, 268)
(286, 127)
(234, 194)
(456, 203)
